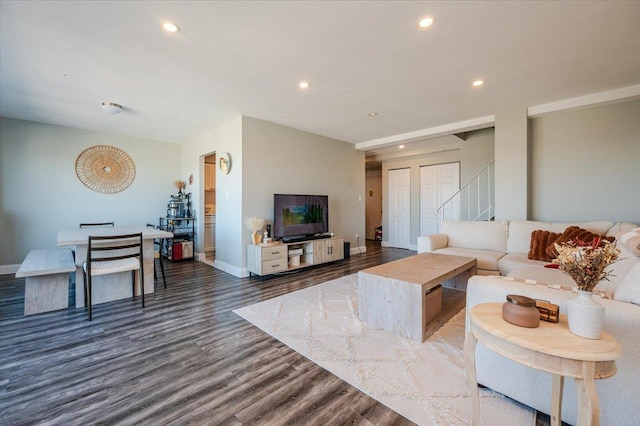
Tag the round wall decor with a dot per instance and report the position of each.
(224, 163)
(105, 169)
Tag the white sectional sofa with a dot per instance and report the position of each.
(502, 247)
(504, 251)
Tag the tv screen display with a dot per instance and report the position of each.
(299, 216)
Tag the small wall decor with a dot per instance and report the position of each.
(105, 169)
(224, 163)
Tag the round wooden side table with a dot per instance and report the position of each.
(551, 348)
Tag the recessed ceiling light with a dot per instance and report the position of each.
(478, 83)
(372, 114)
(111, 108)
(170, 27)
(425, 22)
(401, 146)
(304, 85)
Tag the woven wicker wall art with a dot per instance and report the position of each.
(105, 169)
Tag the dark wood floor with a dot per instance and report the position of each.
(184, 359)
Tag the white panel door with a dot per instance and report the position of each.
(399, 208)
(437, 185)
(429, 200)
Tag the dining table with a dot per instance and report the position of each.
(115, 286)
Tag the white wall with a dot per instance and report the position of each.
(511, 155)
(279, 159)
(585, 165)
(42, 194)
(268, 158)
(476, 152)
(225, 138)
(473, 154)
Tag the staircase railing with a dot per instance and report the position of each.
(474, 201)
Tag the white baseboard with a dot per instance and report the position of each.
(413, 247)
(9, 269)
(358, 250)
(231, 269)
(200, 256)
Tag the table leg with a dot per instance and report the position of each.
(470, 342)
(556, 399)
(588, 404)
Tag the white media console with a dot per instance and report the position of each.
(267, 259)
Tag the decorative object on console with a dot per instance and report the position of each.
(255, 224)
(266, 239)
(548, 311)
(521, 311)
(105, 169)
(585, 316)
(586, 264)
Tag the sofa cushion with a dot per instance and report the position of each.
(573, 233)
(620, 269)
(621, 228)
(631, 241)
(628, 289)
(540, 242)
(520, 231)
(476, 235)
(487, 259)
(513, 261)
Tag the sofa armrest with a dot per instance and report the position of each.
(429, 243)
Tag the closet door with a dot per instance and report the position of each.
(438, 184)
(428, 200)
(399, 183)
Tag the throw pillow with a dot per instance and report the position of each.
(540, 240)
(572, 233)
(628, 290)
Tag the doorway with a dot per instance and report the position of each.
(209, 206)
(399, 184)
(373, 205)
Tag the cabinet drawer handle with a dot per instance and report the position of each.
(275, 266)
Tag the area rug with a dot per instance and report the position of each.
(423, 382)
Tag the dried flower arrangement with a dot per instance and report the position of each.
(255, 224)
(585, 262)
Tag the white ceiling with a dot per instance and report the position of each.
(60, 59)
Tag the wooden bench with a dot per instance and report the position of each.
(46, 274)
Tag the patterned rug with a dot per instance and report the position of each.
(423, 382)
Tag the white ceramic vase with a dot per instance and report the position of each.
(585, 316)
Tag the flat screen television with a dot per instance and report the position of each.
(299, 217)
